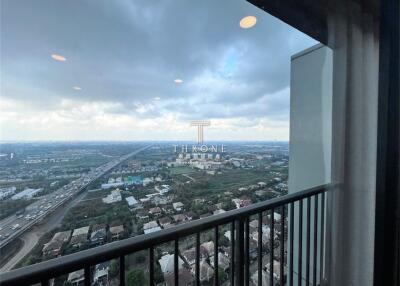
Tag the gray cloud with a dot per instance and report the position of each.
(129, 52)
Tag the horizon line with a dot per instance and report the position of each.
(131, 141)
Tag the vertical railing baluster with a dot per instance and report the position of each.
(197, 272)
(321, 263)
(232, 269)
(300, 258)
(308, 241)
(122, 270)
(216, 238)
(87, 275)
(291, 271)
(151, 266)
(239, 252)
(176, 261)
(315, 240)
(247, 247)
(240, 248)
(271, 246)
(282, 247)
(259, 256)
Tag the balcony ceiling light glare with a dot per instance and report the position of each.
(248, 22)
(178, 81)
(58, 58)
(77, 88)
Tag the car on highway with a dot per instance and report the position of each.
(15, 226)
(20, 211)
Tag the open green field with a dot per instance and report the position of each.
(236, 178)
(96, 194)
(94, 211)
(213, 186)
(181, 170)
(83, 162)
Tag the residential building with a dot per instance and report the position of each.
(206, 271)
(7, 192)
(190, 255)
(151, 226)
(98, 235)
(79, 236)
(185, 277)
(178, 206)
(147, 181)
(76, 278)
(179, 218)
(142, 214)
(208, 247)
(113, 197)
(167, 263)
(223, 262)
(275, 268)
(112, 185)
(155, 211)
(132, 202)
(165, 221)
(100, 275)
(116, 232)
(53, 247)
(242, 202)
(162, 189)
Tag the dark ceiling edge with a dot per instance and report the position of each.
(296, 15)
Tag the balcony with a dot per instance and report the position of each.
(294, 250)
(325, 235)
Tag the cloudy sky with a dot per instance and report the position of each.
(123, 56)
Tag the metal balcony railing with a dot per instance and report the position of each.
(306, 270)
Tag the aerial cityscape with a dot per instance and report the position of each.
(60, 198)
(134, 119)
(199, 143)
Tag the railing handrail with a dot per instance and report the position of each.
(72, 262)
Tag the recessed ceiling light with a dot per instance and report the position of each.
(248, 22)
(178, 80)
(58, 58)
(77, 88)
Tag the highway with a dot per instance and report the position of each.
(31, 237)
(15, 225)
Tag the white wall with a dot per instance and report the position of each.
(310, 118)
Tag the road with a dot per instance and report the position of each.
(190, 178)
(49, 211)
(31, 237)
